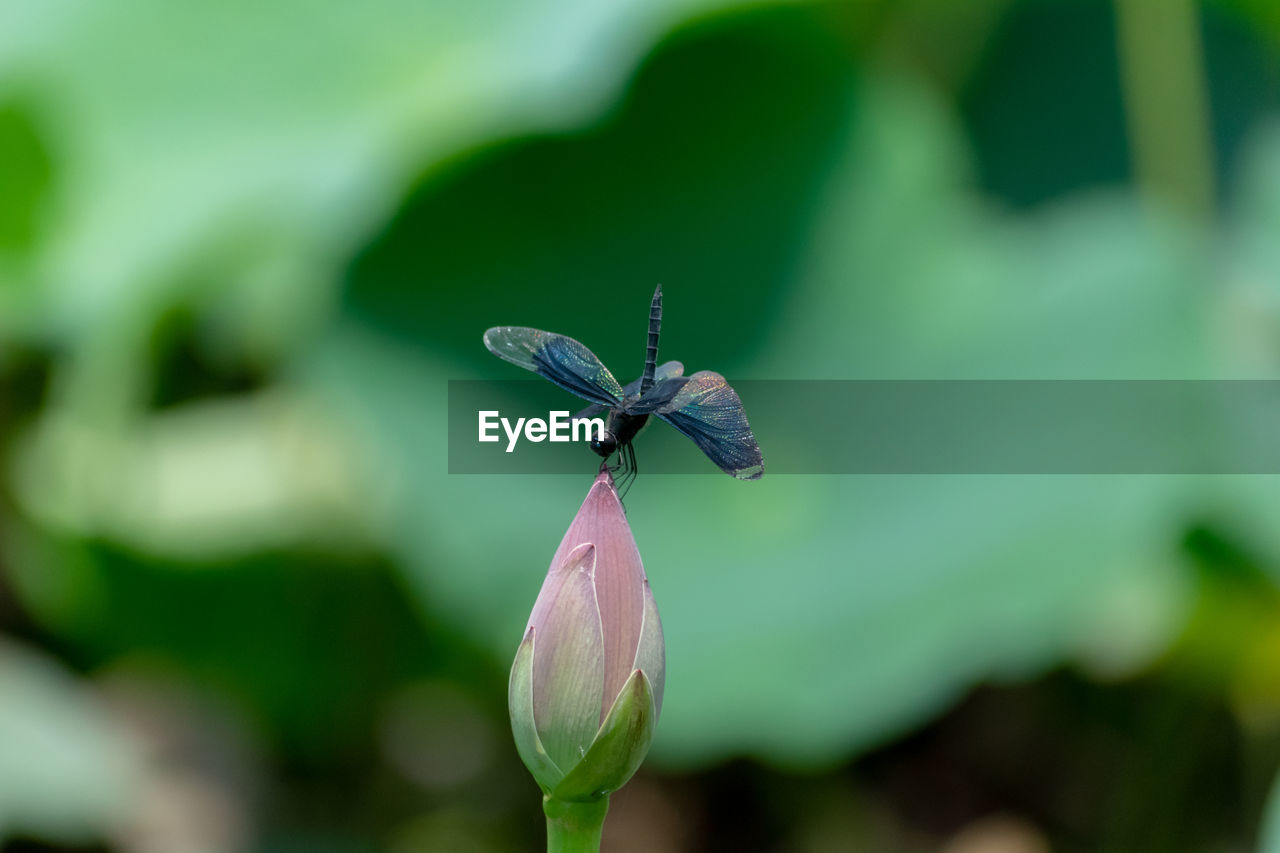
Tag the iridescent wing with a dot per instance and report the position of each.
(667, 370)
(708, 411)
(659, 395)
(560, 359)
(670, 370)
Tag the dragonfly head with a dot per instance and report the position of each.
(605, 445)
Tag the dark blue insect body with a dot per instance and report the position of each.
(701, 406)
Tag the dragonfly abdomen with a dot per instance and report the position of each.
(651, 351)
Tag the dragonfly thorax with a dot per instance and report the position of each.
(619, 429)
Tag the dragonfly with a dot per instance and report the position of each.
(702, 406)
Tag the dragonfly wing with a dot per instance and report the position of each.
(670, 370)
(595, 410)
(557, 358)
(656, 398)
(709, 412)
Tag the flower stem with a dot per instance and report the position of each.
(574, 827)
(1166, 101)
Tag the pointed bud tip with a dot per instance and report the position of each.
(603, 491)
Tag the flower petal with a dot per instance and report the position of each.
(568, 659)
(651, 653)
(619, 578)
(520, 701)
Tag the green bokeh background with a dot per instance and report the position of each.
(244, 247)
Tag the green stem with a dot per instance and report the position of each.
(1166, 99)
(574, 827)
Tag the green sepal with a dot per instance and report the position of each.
(520, 702)
(619, 746)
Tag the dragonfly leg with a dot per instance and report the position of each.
(627, 456)
(618, 471)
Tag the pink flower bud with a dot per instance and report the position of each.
(586, 688)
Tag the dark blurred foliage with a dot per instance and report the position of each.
(242, 250)
(669, 184)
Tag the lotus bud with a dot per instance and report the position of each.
(586, 687)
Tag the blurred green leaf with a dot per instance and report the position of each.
(25, 178)
(66, 772)
(266, 151)
(227, 172)
(811, 213)
(863, 604)
(209, 479)
(304, 643)
(1269, 841)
